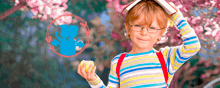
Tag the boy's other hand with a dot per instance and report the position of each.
(89, 75)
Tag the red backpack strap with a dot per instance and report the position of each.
(162, 62)
(119, 66)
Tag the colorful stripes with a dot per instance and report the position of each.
(137, 59)
(139, 69)
(143, 81)
(139, 65)
(189, 51)
(141, 77)
(190, 38)
(151, 85)
(183, 25)
(112, 77)
(180, 22)
(95, 82)
(187, 31)
(113, 81)
(183, 58)
(175, 17)
(191, 42)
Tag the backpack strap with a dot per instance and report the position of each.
(161, 59)
(119, 66)
(162, 62)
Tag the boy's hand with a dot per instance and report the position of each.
(89, 75)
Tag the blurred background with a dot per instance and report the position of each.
(26, 60)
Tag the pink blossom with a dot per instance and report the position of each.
(124, 44)
(216, 71)
(168, 34)
(201, 60)
(130, 44)
(172, 40)
(44, 17)
(16, 2)
(215, 32)
(217, 36)
(208, 29)
(48, 8)
(192, 69)
(101, 67)
(59, 2)
(203, 76)
(163, 40)
(40, 9)
(201, 36)
(66, 19)
(218, 59)
(116, 5)
(207, 63)
(34, 11)
(196, 20)
(116, 36)
(218, 4)
(56, 12)
(124, 1)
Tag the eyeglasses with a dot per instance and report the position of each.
(139, 28)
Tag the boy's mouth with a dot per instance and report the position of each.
(142, 39)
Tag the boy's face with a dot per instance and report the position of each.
(143, 39)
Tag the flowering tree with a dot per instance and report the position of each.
(42, 9)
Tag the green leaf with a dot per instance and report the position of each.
(193, 61)
(4, 5)
(26, 83)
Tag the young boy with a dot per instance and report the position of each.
(145, 23)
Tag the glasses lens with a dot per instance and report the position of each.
(152, 30)
(137, 28)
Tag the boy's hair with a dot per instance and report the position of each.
(151, 11)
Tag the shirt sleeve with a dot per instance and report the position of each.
(113, 78)
(178, 55)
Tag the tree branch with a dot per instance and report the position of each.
(13, 9)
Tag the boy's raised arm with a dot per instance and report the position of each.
(176, 56)
(191, 44)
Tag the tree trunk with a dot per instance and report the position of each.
(13, 9)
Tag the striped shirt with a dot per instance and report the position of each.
(144, 69)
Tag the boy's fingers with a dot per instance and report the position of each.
(89, 70)
(92, 75)
(78, 70)
(93, 71)
(83, 70)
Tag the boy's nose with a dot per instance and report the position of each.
(144, 32)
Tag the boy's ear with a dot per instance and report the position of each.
(159, 37)
(127, 28)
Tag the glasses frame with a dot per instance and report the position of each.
(143, 28)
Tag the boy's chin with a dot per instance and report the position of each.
(144, 46)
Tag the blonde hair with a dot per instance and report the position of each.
(151, 11)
